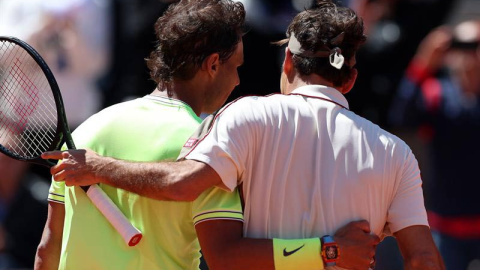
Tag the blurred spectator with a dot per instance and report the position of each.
(73, 38)
(23, 211)
(394, 28)
(440, 98)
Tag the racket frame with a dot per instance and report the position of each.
(130, 234)
(62, 134)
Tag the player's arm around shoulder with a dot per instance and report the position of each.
(418, 249)
(48, 251)
(177, 181)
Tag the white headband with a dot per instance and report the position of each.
(335, 55)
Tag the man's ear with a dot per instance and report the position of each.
(288, 63)
(211, 64)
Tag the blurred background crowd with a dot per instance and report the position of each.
(419, 77)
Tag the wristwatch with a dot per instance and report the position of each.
(330, 251)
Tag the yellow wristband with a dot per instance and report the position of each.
(297, 254)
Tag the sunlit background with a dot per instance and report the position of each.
(96, 50)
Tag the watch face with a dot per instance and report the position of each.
(331, 252)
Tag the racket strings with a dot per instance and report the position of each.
(28, 116)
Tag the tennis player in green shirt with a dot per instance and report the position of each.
(195, 66)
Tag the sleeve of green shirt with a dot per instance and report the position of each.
(56, 192)
(215, 203)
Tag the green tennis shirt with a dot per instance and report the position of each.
(145, 129)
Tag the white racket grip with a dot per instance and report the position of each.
(129, 233)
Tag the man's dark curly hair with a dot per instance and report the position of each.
(316, 27)
(191, 30)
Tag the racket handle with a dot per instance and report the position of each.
(129, 233)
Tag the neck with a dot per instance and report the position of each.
(189, 92)
(299, 81)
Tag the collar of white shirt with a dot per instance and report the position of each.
(323, 92)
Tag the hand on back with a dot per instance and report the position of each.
(357, 245)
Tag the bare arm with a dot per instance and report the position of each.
(418, 249)
(224, 247)
(48, 251)
(178, 181)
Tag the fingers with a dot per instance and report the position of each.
(73, 170)
(357, 245)
(62, 171)
(53, 155)
(361, 224)
(59, 175)
(57, 169)
(66, 154)
(365, 227)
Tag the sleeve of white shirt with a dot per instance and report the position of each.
(408, 208)
(228, 144)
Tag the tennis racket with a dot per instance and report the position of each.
(33, 121)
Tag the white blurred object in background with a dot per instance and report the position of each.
(73, 36)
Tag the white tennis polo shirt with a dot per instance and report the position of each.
(308, 166)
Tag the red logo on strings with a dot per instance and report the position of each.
(23, 103)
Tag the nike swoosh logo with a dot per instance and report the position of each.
(288, 253)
